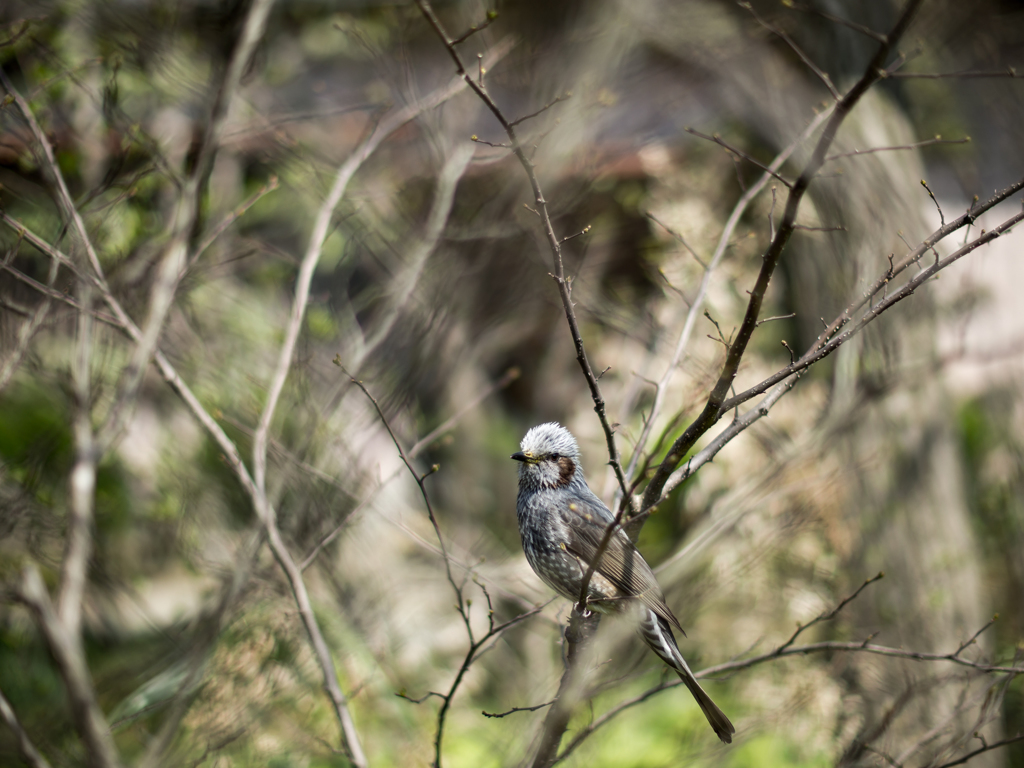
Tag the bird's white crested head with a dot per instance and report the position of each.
(550, 457)
(550, 439)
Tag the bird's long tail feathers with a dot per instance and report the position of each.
(658, 634)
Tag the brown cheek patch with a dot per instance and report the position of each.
(566, 469)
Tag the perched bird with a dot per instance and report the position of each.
(562, 524)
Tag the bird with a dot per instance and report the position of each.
(562, 523)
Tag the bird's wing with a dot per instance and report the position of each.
(622, 564)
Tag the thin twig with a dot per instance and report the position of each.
(829, 615)
(423, 492)
(461, 604)
(942, 219)
(876, 36)
(785, 650)
(491, 16)
(821, 74)
(984, 748)
(862, 647)
(678, 237)
(976, 635)
(231, 218)
(350, 736)
(554, 242)
(510, 375)
(564, 97)
(739, 153)
(918, 145)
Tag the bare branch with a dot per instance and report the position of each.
(476, 139)
(570, 690)
(780, 383)
(28, 750)
(862, 647)
(790, 316)
(787, 649)
(459, 597)
(984, 748)
(67, 651)
(29, 328)
(426, 497)
(350, 737)
(421, 699)
(716, 403)
(566, 239)
(832, 340)
(694, 311)
(519, 709)
(805, 228)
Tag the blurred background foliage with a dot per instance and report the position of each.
(902, 453)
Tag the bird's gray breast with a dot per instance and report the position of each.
(544, 531)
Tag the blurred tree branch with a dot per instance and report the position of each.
(28, 750)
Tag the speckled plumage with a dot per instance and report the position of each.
(562, 523)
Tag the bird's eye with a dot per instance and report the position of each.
(555, 456)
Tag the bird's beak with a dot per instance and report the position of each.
(526, 458)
